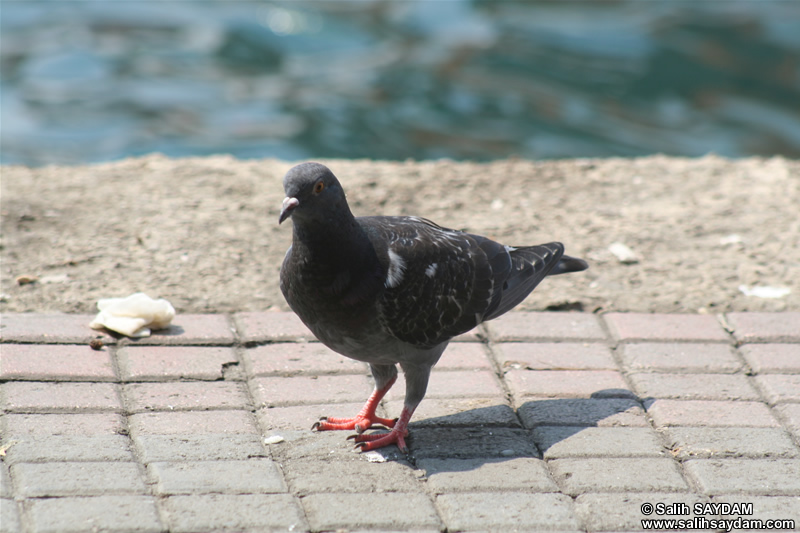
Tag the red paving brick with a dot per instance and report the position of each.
(186, 396)
(454, 384)
(567, 384)
(298, 390)
(554, 356)
(61, 362)
(765, 327)
(289, 358)
(710, 413)
(40, 397)
(83, 424)
(192, 422)
(159, 363)
(665, 327)
(271, 326)
(772, 358)
(49, 328)
(191, 330)
(679, 357)
(530, 326)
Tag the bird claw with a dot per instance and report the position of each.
(373, 441)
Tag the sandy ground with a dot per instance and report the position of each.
(203, 232)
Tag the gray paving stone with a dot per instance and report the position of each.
(101, 513)
(583, 412)
(507, 511)
(774, 477)
(766, 507)
(354, 475)
(681, 357)
(693, 386)
(210, 447)
(9, 516)
(704, 442)
(326, 446)
(469, 475)
(577, 476)
(471, 442)
(76, 479)
(39, 449)
(575, 441)
(457, 412)
(623, 511)
(364, 511)
(234, 512)
(254, 476)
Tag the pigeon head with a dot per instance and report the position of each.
(313, 194)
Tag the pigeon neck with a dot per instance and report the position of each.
(338, 242)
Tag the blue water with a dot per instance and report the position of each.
(100, 80)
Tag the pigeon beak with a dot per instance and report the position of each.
(289, 204)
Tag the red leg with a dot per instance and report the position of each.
(396, 436)
(364, 419)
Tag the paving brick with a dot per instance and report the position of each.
(476, 475)
(234, 512)
(47, 362)
(773, 477)
(190, 330)
(355, 475)
(567, 384)
(704, 442)
(578, 476)
(45, 448)
(270, 326)
(665, 327)
(604, 412)
(83, 424)
(101, 513)
(207, 447)
(32, 397)
(790, 415)
(622, 511)
(680, 357)
(454, 384)
(393, 511)
(323, 446)
(9, 516)
(49, 328)
(554, 356)
(772, 358)
(542, 326)
(185, 395)
(765, 327)
(5, 481)
(710, 413)
(302, 417)
(766, 507)
(693, 386)
(291, 359)
(470, 442)
(36, 480)
(192, 423)
(161, 363)
(458, 412)
(780, 388)
(557, 442)
(463, 356)
(298, 390)
(507, 511)
(253, 476)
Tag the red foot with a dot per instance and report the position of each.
(374, 441)
(360, 423)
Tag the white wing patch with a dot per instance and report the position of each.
(397, 267)
(431, 270)
(510, 248)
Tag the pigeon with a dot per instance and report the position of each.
(394, 290)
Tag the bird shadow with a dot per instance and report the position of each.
(468, 439)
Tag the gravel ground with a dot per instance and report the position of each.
(203, 232)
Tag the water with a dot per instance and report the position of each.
(95, 81)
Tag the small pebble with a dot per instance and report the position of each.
(96, 344)
(274, 439)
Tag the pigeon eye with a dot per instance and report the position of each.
(318, 187)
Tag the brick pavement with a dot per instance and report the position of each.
(536, 421)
